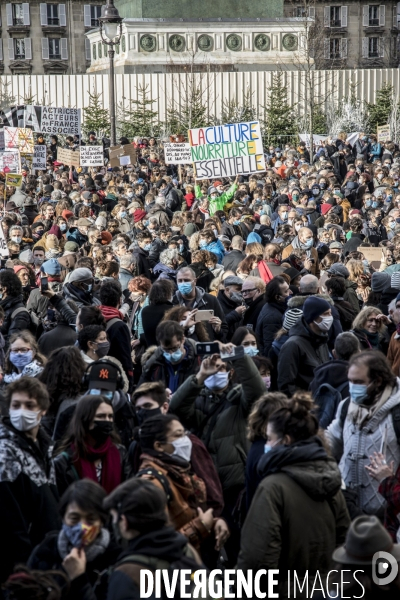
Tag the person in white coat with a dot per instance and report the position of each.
(367, 422)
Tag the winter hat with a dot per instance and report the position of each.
(138, 215)
(51, 267)
(67, 214)
(335, 246)
(55, 230)
(106, 238)
(379, 281)
(395, 280)
(18, 268)
(71, 246)
(291, 317)
(292, 272)
(313, 307)
(339, 270)
(102, 221)
(81, 274)
(325, 208)
(253, 237)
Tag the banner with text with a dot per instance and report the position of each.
(68, 157)
(9, 162)
(3, 243)
(227, 150)
(91, 156)
(43, 119)
(14, 179)
(177, 154)
(116, 152)
(39, 158)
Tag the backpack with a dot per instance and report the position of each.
(328, 398)
(32, 327)
(395, 412)
(187, 562)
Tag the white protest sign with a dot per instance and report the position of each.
(10, 138)
(177, 154)
(124, 161)
(59, 120)
(9, 162)
(3, 243)
(92, 156)
(39, 158)
(227, 150)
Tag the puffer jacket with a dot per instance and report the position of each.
(269, 322)
(216, 248)
(298, 515)
(353, 445)
(220, 421)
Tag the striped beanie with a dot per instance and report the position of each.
(291, 317)
(395, 280)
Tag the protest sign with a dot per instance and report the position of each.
(26, 161)
(14, 179)
(25, 140)
(43, 119)
(383, 133)
(373, 255)
(117, 151)
(9, 162)
(2, 140)
(68, 157)
(91, 156)
(177, 154)
(227, 150)
(124, 161)
(3, 243)
(39, 158)
(10, 138)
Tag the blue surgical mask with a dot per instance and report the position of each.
(237, 222)
(174, 357)
(147, 247)
(251, 350)
(368, 203)
(358, 392)
(308, 243)
(21, 359)
(181, 248)
(122, 215)
(185, 288)
(392, 225)
(202, 244)
(389, 198)
(375, 204)
(218, 381)
(63, 227)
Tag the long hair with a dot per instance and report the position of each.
(261, 412)
(63, 374)
(177, 313)
(28, 338)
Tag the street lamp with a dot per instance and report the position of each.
(110, 31)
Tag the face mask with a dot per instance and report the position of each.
(308, 243)
(389, 198)
(236, 297)
(38, 234)
(251, 351)
(63, 227)
(392, 225)
(185, 288)
(181, 248)
(368, 203)
(278, 154)
(325, 324)
(122, 215)
(295, 197)
(101, 431)
(298, 226)
(218, 381)
(102, 349)
(380, 176)
(267, 381)
(375, 204)
(237, 222)
(147, 247)
(336, 191)
(38, 261)
(24, 420)
(182, 447)
(315, 192)
(81, 534)
(146, 413)
(16, 239)
(21, 359)
(88, 287)
(202, 244)
(268, 447)
(322, 186)
(174, 357)
(358, 392)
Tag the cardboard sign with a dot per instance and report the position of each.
(68, 157)
(25, 140)
(371, 254)
(117, 151)
(91, 156)
(177, 154)
(10, 138)
(3, 243)
(39, 158)
(9, 161)
(14, 179)
(227, 150)
(383, 133)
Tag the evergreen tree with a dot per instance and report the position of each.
(29, 99)
(96, 118)
(279, 122)
(379, 113)
(234, 111)
(6, 98)
(319, 121)
(192, 114)
(137, 119)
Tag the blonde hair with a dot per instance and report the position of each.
(356, 269)
(364, 315)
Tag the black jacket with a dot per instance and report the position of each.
(299, 357)
(157, 368)
(154, 254)
(205, 301)
(333, 372)
(28, 496)
(151, 316)
(252, 313)
(21, 321)
(269, 322)
(30, 213)
(230, 230)
(61, 335)
(266, 233)
(231, 260)
(143, 266)
(353, 243)
(233, 318)
(120, 346)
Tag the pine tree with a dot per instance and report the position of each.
(234, 111)
(96, 118)
(6, 98)
(137, 119)
(279, 122)
(192, 114)
(29, 99)
(319, 121)
(379, 113)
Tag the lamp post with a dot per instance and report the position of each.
(110, 31)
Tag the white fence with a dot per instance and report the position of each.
(71, 90)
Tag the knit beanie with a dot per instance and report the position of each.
(395, 280)
(81, 274)
(291, 317)
(325, 208)
(379, 281)
(313, 307)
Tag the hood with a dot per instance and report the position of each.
(298, 301)
(300, 328)
(161, 268)
(163, 544)
(307, 463)
(334, 372)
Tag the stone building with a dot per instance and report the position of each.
(46, 38)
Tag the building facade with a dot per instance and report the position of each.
(46, 38)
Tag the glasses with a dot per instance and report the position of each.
(171, 350)
(245, 292)
(20, 350)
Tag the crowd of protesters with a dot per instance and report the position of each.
(200, 374)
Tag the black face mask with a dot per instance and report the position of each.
(146, 413)
(101, 431)
(249, 301)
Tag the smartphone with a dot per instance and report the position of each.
(203, 348)
(203, 315)
(44, 284)
(238, 352)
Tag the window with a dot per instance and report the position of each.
(18, 14)
(54, 49)
(335, 16)
(334, 48)
(95, 13)
(373, 16)
(94, 52)
(300, 12)
(52, 14)
(100, 52)
(373, 47)
(19, 48)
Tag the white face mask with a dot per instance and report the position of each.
(325, 324)
(24, 420)
(298, 226)
(217, 381)
(183, 448)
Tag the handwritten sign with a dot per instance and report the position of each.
(39, 158)
(117, 151)
(68, 157)
(26, 161)
(10, 138)
(383, 133)
(3, 243)
(227, 150)
(177, 154)
(9, 161)
(91, 156)
(25, 140)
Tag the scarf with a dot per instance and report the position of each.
(373, 338)
(32, 370)
(109, 312)
(360, 413)
(111, 467)
(264, 271)
(92, 551)
(297, 245)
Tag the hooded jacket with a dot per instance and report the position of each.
(160, 214)
(269, 322)
(216, 248)
(219, 202)
(19, 322)
(301, 485)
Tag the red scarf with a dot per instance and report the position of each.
(109, 312)
(264, 271)
(111, 467)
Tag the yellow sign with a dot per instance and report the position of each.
(14, 179)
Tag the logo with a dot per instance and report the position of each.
(104, 375)
(384, 568)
